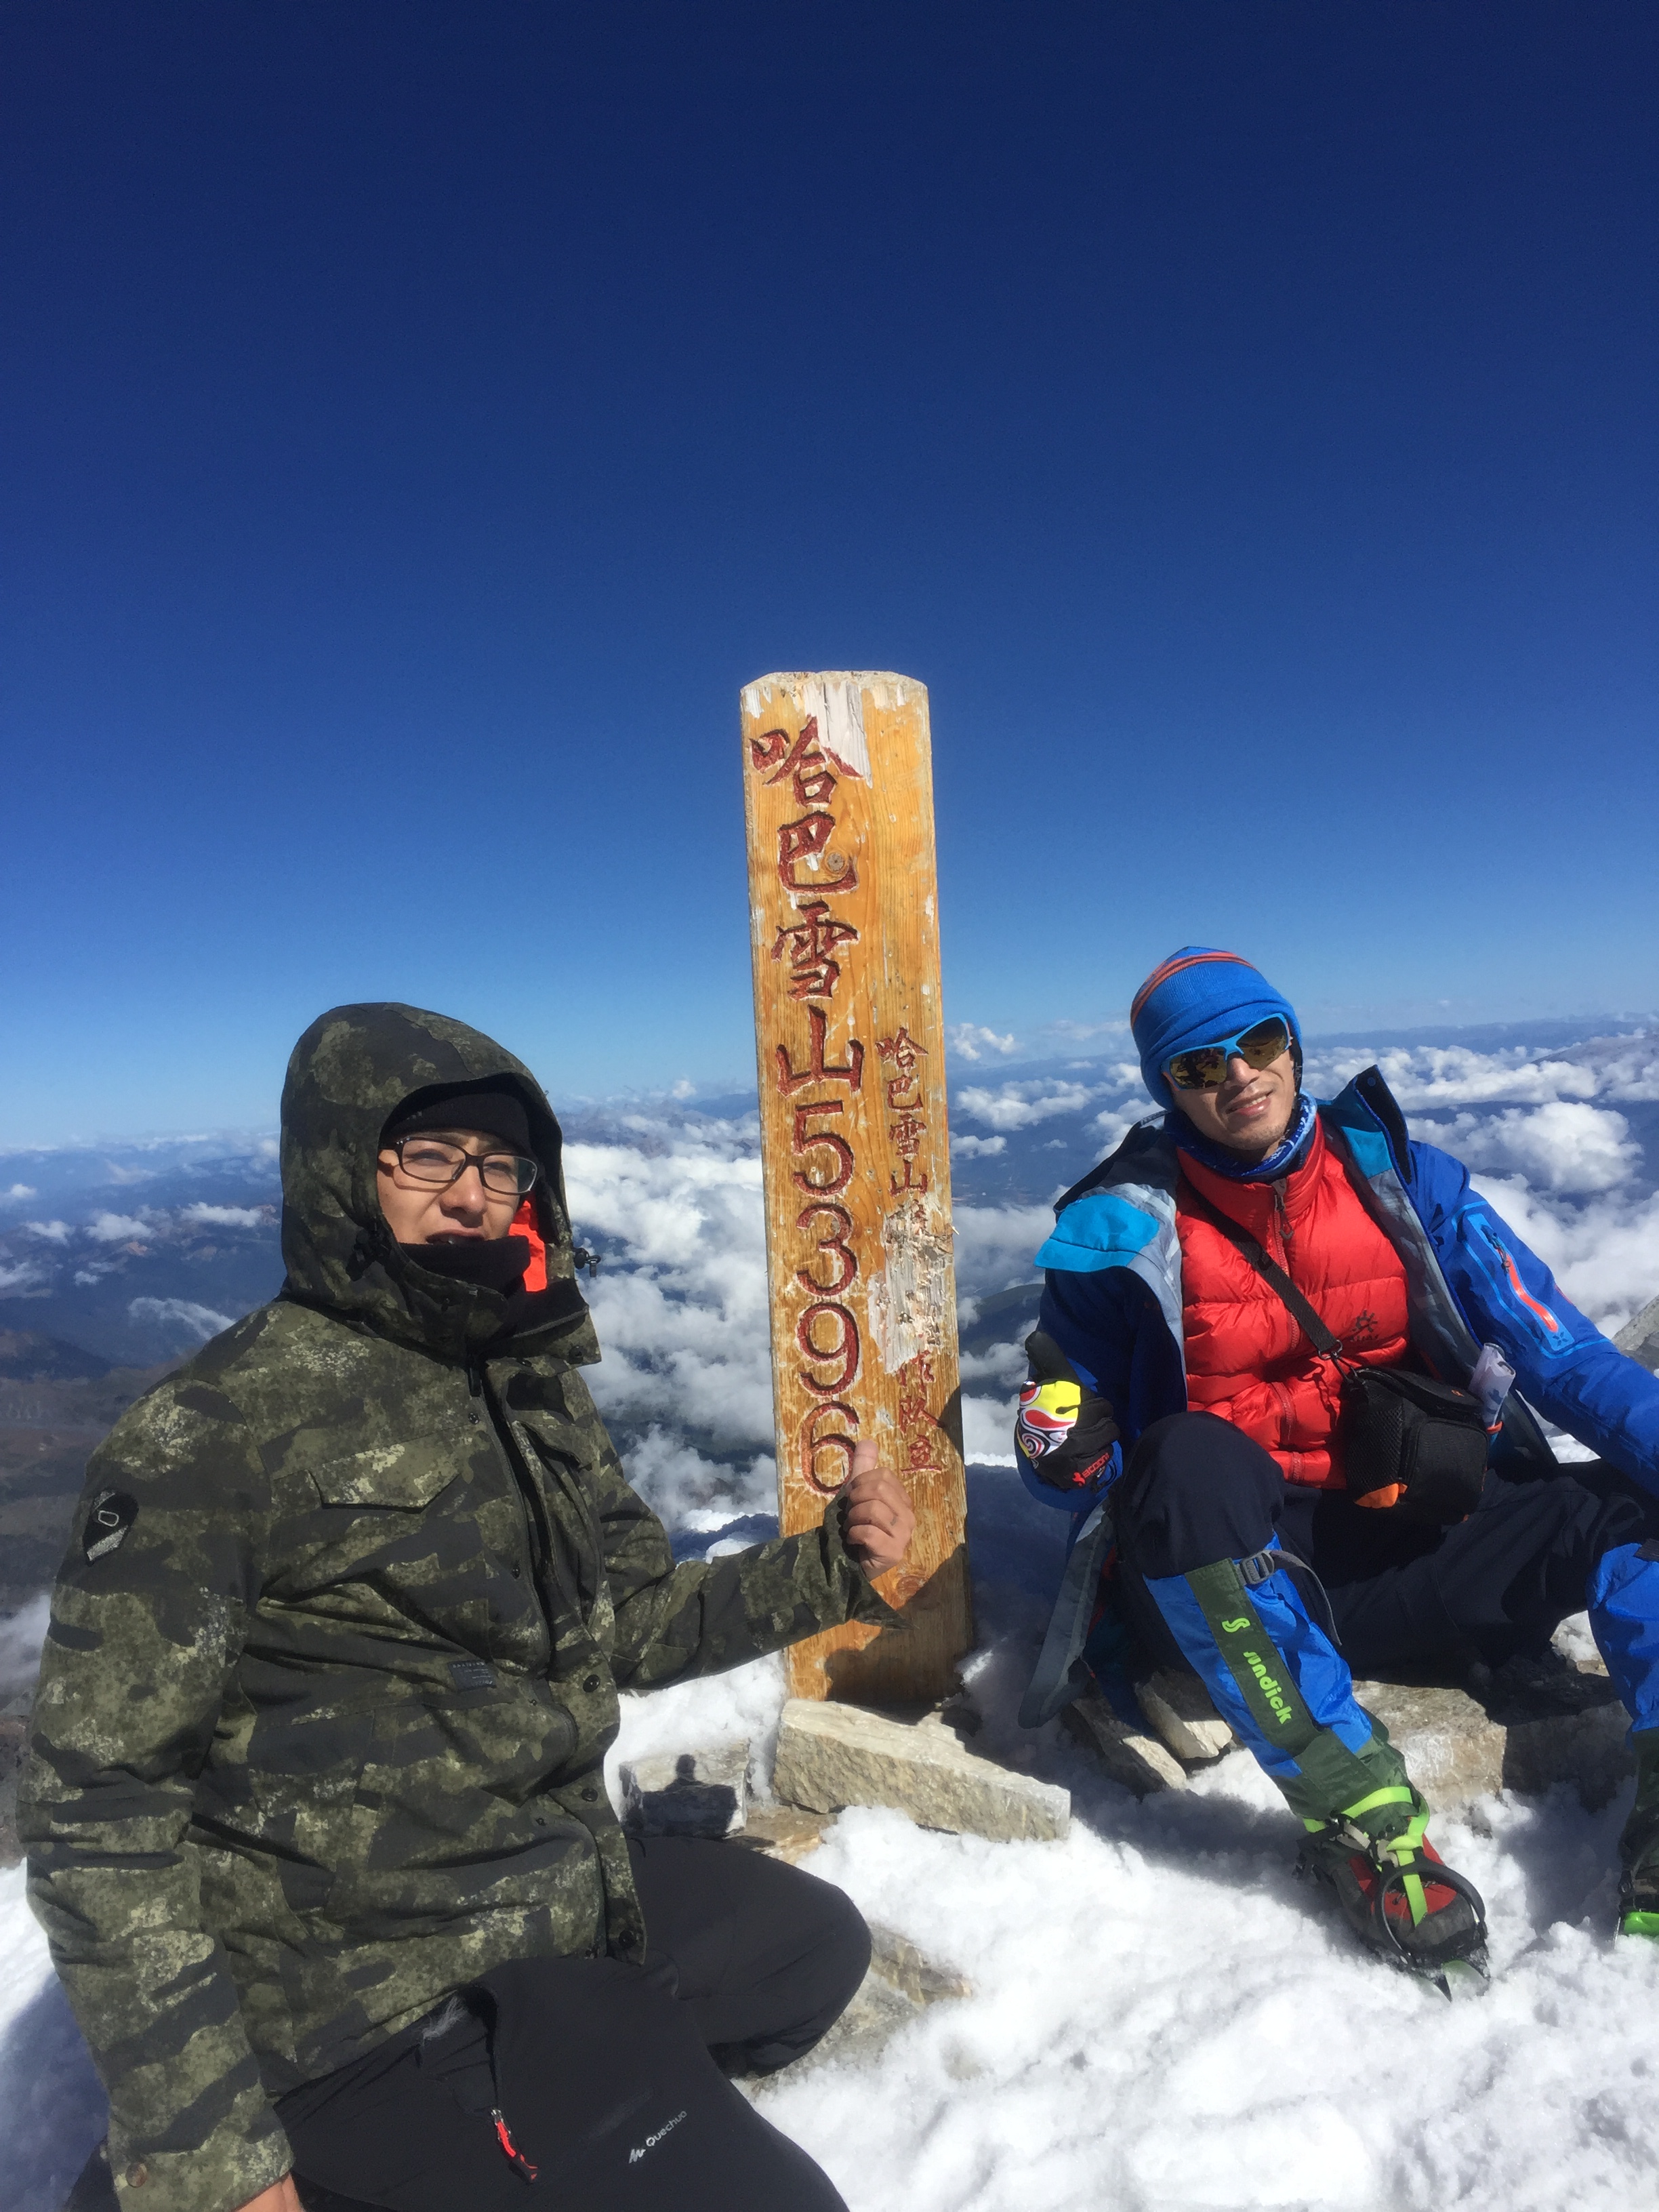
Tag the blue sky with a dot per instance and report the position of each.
(419, 421)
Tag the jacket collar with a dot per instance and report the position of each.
(1253, 1204)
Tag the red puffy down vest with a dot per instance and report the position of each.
(1247, 1360)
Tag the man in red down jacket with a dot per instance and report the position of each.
(1284, 1378)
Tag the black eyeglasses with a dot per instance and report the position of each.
(430, 1160)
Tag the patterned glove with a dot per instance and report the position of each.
(1065, 1430)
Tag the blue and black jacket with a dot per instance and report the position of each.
(1112, 1302)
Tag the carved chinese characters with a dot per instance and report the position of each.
(855, 1155)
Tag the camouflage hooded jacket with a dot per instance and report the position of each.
(334, 1654)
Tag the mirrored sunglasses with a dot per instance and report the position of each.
(1205, 1068)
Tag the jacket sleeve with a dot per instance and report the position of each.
(706, 1616)
(147, 1624)
(1109, 1325)
(1563, 1367)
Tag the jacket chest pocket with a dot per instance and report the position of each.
(401, 1521)
(401, 1478)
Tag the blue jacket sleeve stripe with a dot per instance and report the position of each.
(1101, 1230)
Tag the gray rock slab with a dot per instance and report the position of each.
(1527, 1727)
(877, 2014)
(1640, 1336)
(832, 1755)
(908, 1968)
(688, 1793)
(783, 1832)
(901, 1983)
(1176, 1707)
(1452, 1752)
(1131, 1756)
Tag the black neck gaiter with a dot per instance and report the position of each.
(494, 1263)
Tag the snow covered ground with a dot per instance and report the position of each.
(1163, 2018)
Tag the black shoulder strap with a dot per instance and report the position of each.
(1270, 1271)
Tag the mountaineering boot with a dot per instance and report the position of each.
(1279, 1681)
(1376, 1857)
(1638, 1846)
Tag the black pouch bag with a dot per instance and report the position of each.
(1410, 1444)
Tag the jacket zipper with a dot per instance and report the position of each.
(503, 2136)
(1286, 1233)
(538, 1536)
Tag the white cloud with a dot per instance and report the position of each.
(55, 1232)
(1018, 1105)
(1617, 1069)
(187, 1322)
(689, 1491)
(229, 1217)
(1079, 1032)
(116, 1228)
(995, 1244)
(21, 1635)
(1565, 1145)
(972, 1040)
(987, 1431)
(976, 1148)
(1113, 1123)
(1003, 1364)
(684, 1320)
(23, 1277)
(20, 1192)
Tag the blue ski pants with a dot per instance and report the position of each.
(1196, 1492)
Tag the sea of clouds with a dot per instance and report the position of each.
(1163, 2018)
(1566, 1145)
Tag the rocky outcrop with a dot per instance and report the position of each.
(831, 1755)
(1640, 1336)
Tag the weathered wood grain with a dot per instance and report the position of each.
(855, 1148)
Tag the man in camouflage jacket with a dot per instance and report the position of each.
(335, 1654)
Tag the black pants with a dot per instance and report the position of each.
(1197, 1489)
(610, 2080)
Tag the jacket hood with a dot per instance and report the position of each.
(352, 1069)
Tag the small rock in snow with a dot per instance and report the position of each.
(688, 1793)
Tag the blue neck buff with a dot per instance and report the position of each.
(1284, 1158)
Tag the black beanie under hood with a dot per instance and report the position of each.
(488, 1107)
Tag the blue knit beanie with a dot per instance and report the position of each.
(1198, 996)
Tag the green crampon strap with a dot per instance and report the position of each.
(1403, 1847)
(1395, 1794)
(1640, 1923)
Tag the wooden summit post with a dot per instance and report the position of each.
(849, 1038)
